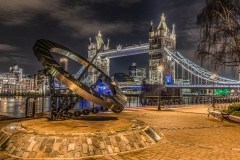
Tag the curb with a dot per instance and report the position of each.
(218, 114)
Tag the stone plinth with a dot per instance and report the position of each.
(74, 138)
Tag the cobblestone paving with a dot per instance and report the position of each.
(31, 146)
(187, 135)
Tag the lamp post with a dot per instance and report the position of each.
(160, 69)
(213, 76)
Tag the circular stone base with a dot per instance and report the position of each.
(75, 138)
(84, 124)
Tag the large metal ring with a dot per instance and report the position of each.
(43, 50)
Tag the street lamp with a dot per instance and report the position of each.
(160, 69)
(213, 76)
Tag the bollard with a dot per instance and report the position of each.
(159, 101)
(43, 104)
(33, 108)
(27, 106)
(129, 102)
(137, 101)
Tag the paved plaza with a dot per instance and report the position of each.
(188, 133)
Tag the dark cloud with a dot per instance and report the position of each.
(6, 47)
(15, 58)
(122, 3)
(80, 20)
(19, 12)
(21, 60)
(4, 59)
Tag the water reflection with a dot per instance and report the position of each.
(11, 106)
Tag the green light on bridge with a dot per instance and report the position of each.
(222, 92)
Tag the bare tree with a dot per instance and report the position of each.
(219, 23)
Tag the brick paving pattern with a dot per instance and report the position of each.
(188, 134)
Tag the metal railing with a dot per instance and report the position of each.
(160, 101)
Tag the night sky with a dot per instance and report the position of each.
(72, 22)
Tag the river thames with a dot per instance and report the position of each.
(15, 106)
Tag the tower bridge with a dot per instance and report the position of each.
(125, 51)
(166, 65)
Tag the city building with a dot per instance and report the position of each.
(126, 83)
(29, 82)
(64, 63)
(137, 74)
(132, 70)
(41, 82)
(15, 81)
(141, 72)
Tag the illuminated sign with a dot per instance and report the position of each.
(222, 92)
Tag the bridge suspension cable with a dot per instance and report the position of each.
(197, 70)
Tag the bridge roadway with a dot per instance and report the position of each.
(126, 51)
(223, 86)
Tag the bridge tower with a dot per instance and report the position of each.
(101, 62)
(158, 38)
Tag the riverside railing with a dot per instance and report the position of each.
(179, 100)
